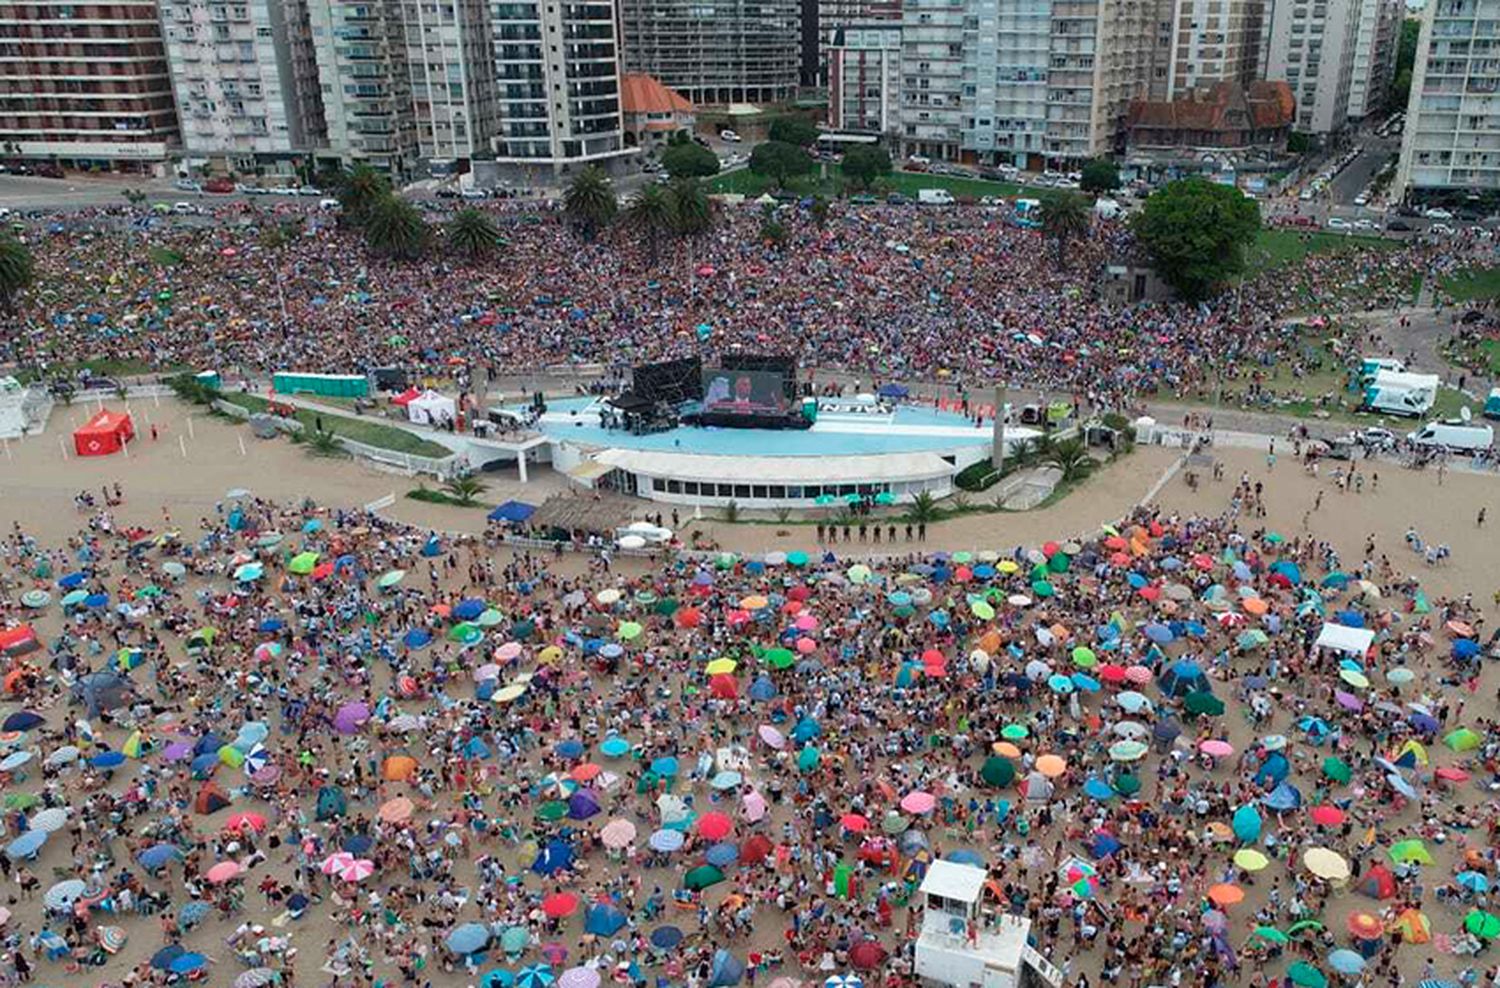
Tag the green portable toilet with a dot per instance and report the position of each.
(1492, 404)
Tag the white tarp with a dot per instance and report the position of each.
(431, 408)
(1340, 638)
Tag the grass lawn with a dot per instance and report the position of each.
(1275, 247)
(1473, 284)
(1491, 351)
(360, 430)
(748, 183)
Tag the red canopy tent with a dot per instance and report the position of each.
(406, 397)
(105, 433)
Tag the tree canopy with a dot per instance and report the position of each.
(17, 269)
(1099, 176)
(793, 130)
(1065, 217)
(395, 228)
(590, 201)
(691, 211)
(1196, 232)
(650, 212)
(864, 163)
(779, 161)
(472, 233)
(359, 189)
(689, 160)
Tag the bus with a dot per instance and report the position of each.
(1028, 213)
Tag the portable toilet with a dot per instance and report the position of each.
(1492, 404)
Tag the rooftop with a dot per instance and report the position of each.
(641, 93)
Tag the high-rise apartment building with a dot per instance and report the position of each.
(85, 84)
(1450, 148)
(864, 78)
(451, 66)
(1211, 41)
(1311, 45)
(557, 74)
(932, 68)
(1374, 55)
(246, 82)
(827, 18)
(361, 52)
(716, 52)
(1102, 53)
(1007, 54)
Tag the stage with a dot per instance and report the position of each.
(899, 450)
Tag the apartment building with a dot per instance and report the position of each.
(246, 83)
(1102, 54)
(450, 63)
(932, 61)
(864, 78)
(85, 84)
(557, 74)
(1007, 55)
(1450, 148)
(1211, 41)
(1311, 45)
(823, 19)
(1374, 56)
(361, 54)
(717, 52)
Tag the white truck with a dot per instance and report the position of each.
(934, 197)
(1397, 393)
(1456, 434)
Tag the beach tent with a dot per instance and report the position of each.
(1377, 883)
(210, 799)
(513, 512)
(331, 803)
(431, 408)
(18, 641)
(1342, 638)
(406, 397)
(1184, 677)
(105, 433)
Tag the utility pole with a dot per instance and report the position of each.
(997, 445)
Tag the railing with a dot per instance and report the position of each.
(411, 463)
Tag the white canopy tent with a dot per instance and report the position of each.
(1340, 638)
(431, 408)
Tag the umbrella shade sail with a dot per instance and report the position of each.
(702, 877)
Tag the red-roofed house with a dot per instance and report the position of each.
(1221, 117)
(652, 112)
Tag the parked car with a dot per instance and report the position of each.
(474, 194)
(184, 208)
(187, 185)
(864, 199)
(1399, 226)
(729, 137)
(897, 199)
(1339, 223)
(1364, 224)
(218, 186)
(1442, 229)
(1437, 214)
(309, 190)
(1376, 437)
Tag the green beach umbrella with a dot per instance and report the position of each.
(1014, 732)
(1203, 703)
(1272, 934)
(1337, 769)
(981, 609)
(553, 809)
(303, 563)
(998, 771)
(390, 578)
(1482, 924)
(702, 877)
(797, 558)
(780, 658)
(1307, 976)
(1127, 785)
(465, 632)
(629, 631)
(808, 758)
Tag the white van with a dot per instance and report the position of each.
(1456, 434)
(330, 205)
(935, 197)
(1107, 209)
(1401, 394)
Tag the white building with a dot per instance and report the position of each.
(361, 54)
(1212, 41)
(864, 77)
(932, 43)
(1311, 44)
(451, 65)
(557, 74)
(246, 82)
(1007, 51)
(955, 947)
(1450, 148)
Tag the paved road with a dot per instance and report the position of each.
(1352, 180)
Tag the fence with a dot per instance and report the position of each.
(408, 463)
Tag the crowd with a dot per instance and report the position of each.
(897, 292)
(291, 741)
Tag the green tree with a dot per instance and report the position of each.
(1196, 233)
(472, 233)
(324, 442)
(464, 490)
(1072, 458)
(188, 388)
(779, 161)
(772, 230)
(692, 213)
(649, 212)
(590, 201)
(359, 190)
(1099, 176)
(395, 228)
(819, 211)
(689, 160)
(134, 196)
(1065, 217)
(1400, 93)
(17, 271)
(864, 163)
(1300, 142)
(793, 130)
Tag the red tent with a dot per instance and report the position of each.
(18, 640)
(406, 397)
(1377, 883)
(105, 433)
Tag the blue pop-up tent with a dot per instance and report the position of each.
(513, 512)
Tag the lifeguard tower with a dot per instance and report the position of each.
(955, 948)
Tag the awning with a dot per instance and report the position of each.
(1340, 638)
(589, 471)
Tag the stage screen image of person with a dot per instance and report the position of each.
(744, 392)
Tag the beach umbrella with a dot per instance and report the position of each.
(1224, 894)
(158, 855)
(867, 955)
(1474, 881)
(27, 845)
(1482, 924)
(303, 563)
(1272, 934)
(22, 720)
(1051, 766)
(666, 841)
(1127, 751)
(1346, 962)
(1326, 863)
(617, 833)
(1327, 815)
(257, 977)
(468, 938)
(50, 820)
(223, 872)
(844, 981)
(615, 747)
(560, 904)
(16, 759)
(187, 963)
(1305, 975)
(666, 937)
(918, 802)
(702, 877)
(1250, 859)
(1407, 851)
(579, 977)
(998, 771)
(1337, 769)
(1364, 926)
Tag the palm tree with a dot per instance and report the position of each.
(17, 270)
(324, 442)
(691, 211)
(590, 201)
(772, 230)
(923, 508)
(473, 233)
(1072, 458)
(464, 490)
(1065, 215)
(650, 212)
(394, 228)
(359, 189)
(819, 211)
(1023, 452)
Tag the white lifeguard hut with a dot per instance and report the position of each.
(955, 947)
